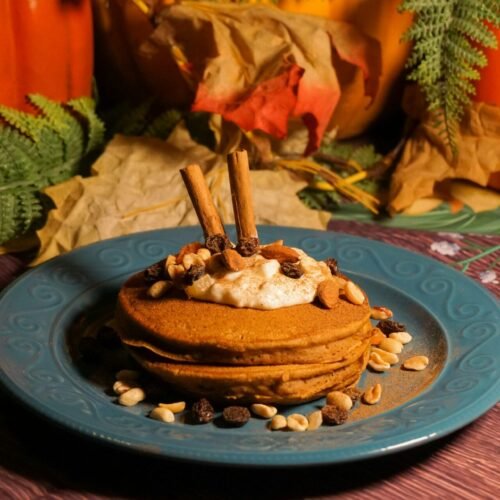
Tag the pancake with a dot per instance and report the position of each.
(178, 329)
(279, 384)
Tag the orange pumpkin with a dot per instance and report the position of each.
(46, 48)
(381, 20)
(488, 87)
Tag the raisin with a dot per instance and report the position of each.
(291, 270)
(354, 393)
(217, 243)
(202, 411)
(155, 272)
(195, 272)
(387, 326)
(333, 266)
(108, 337)
(247, 246)
(236, 416)
(333, 415)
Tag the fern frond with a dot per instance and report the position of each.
(443, 61)
(162, 125)
(37, 151)
(86, 108)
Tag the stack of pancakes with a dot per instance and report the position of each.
(287, 355)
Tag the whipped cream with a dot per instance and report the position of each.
(261, 285)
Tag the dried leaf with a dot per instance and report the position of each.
(136, 186)
(259, 67)
(425, 164)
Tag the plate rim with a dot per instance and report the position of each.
(458, 419)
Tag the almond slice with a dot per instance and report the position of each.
(232, 260)
(280, 252)
(328, 293)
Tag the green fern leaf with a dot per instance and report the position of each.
(162, 126)
(443, 61)
(37, 151)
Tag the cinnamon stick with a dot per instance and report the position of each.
(241, 195)
(213, 229)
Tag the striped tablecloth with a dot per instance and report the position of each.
(39, 460)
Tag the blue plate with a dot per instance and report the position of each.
(452, 317)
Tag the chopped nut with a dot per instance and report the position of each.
(339, 399)
(387, 357)
(291, 270)
(162, 414)
(170, 261)
(190, 259)
(154, 272)
(217, 243)
(175, 271)
(278, 422)
(186, 249)
(388, 326)
(232, 260)
(204, 253)
(333, 266)
(377, 336)
(202, 411)
(236, 416)
(247, 246)
(280, 252)
(354, 293)
(297, 422)
(120, 387)
(373, 394)
(377, 363)
(174, 407)
(416, 363)
(195, 272)
(391, 345)
(333, 415)
(315, 419)
(403, 337)
(379, 312)
(159, 289)
(328, 293)
(132, 397)
(264, 411)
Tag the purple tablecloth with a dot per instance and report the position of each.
(40, 460)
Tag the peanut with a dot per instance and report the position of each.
(264, 411)
(171, 260)
(337, 398)
(387, 357)
(377, 363)
(175, 270)
(132, 397)
(174, 407)
(373, 394)
(277, 422)
(380, 312)
(190, 259)
(159, 289)
(119, 387)
(416, 363)
(354, 293)
(391, 345)
(315, 420)
(403, 337)
(189, 248)
(162, 414)
(297, 422)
